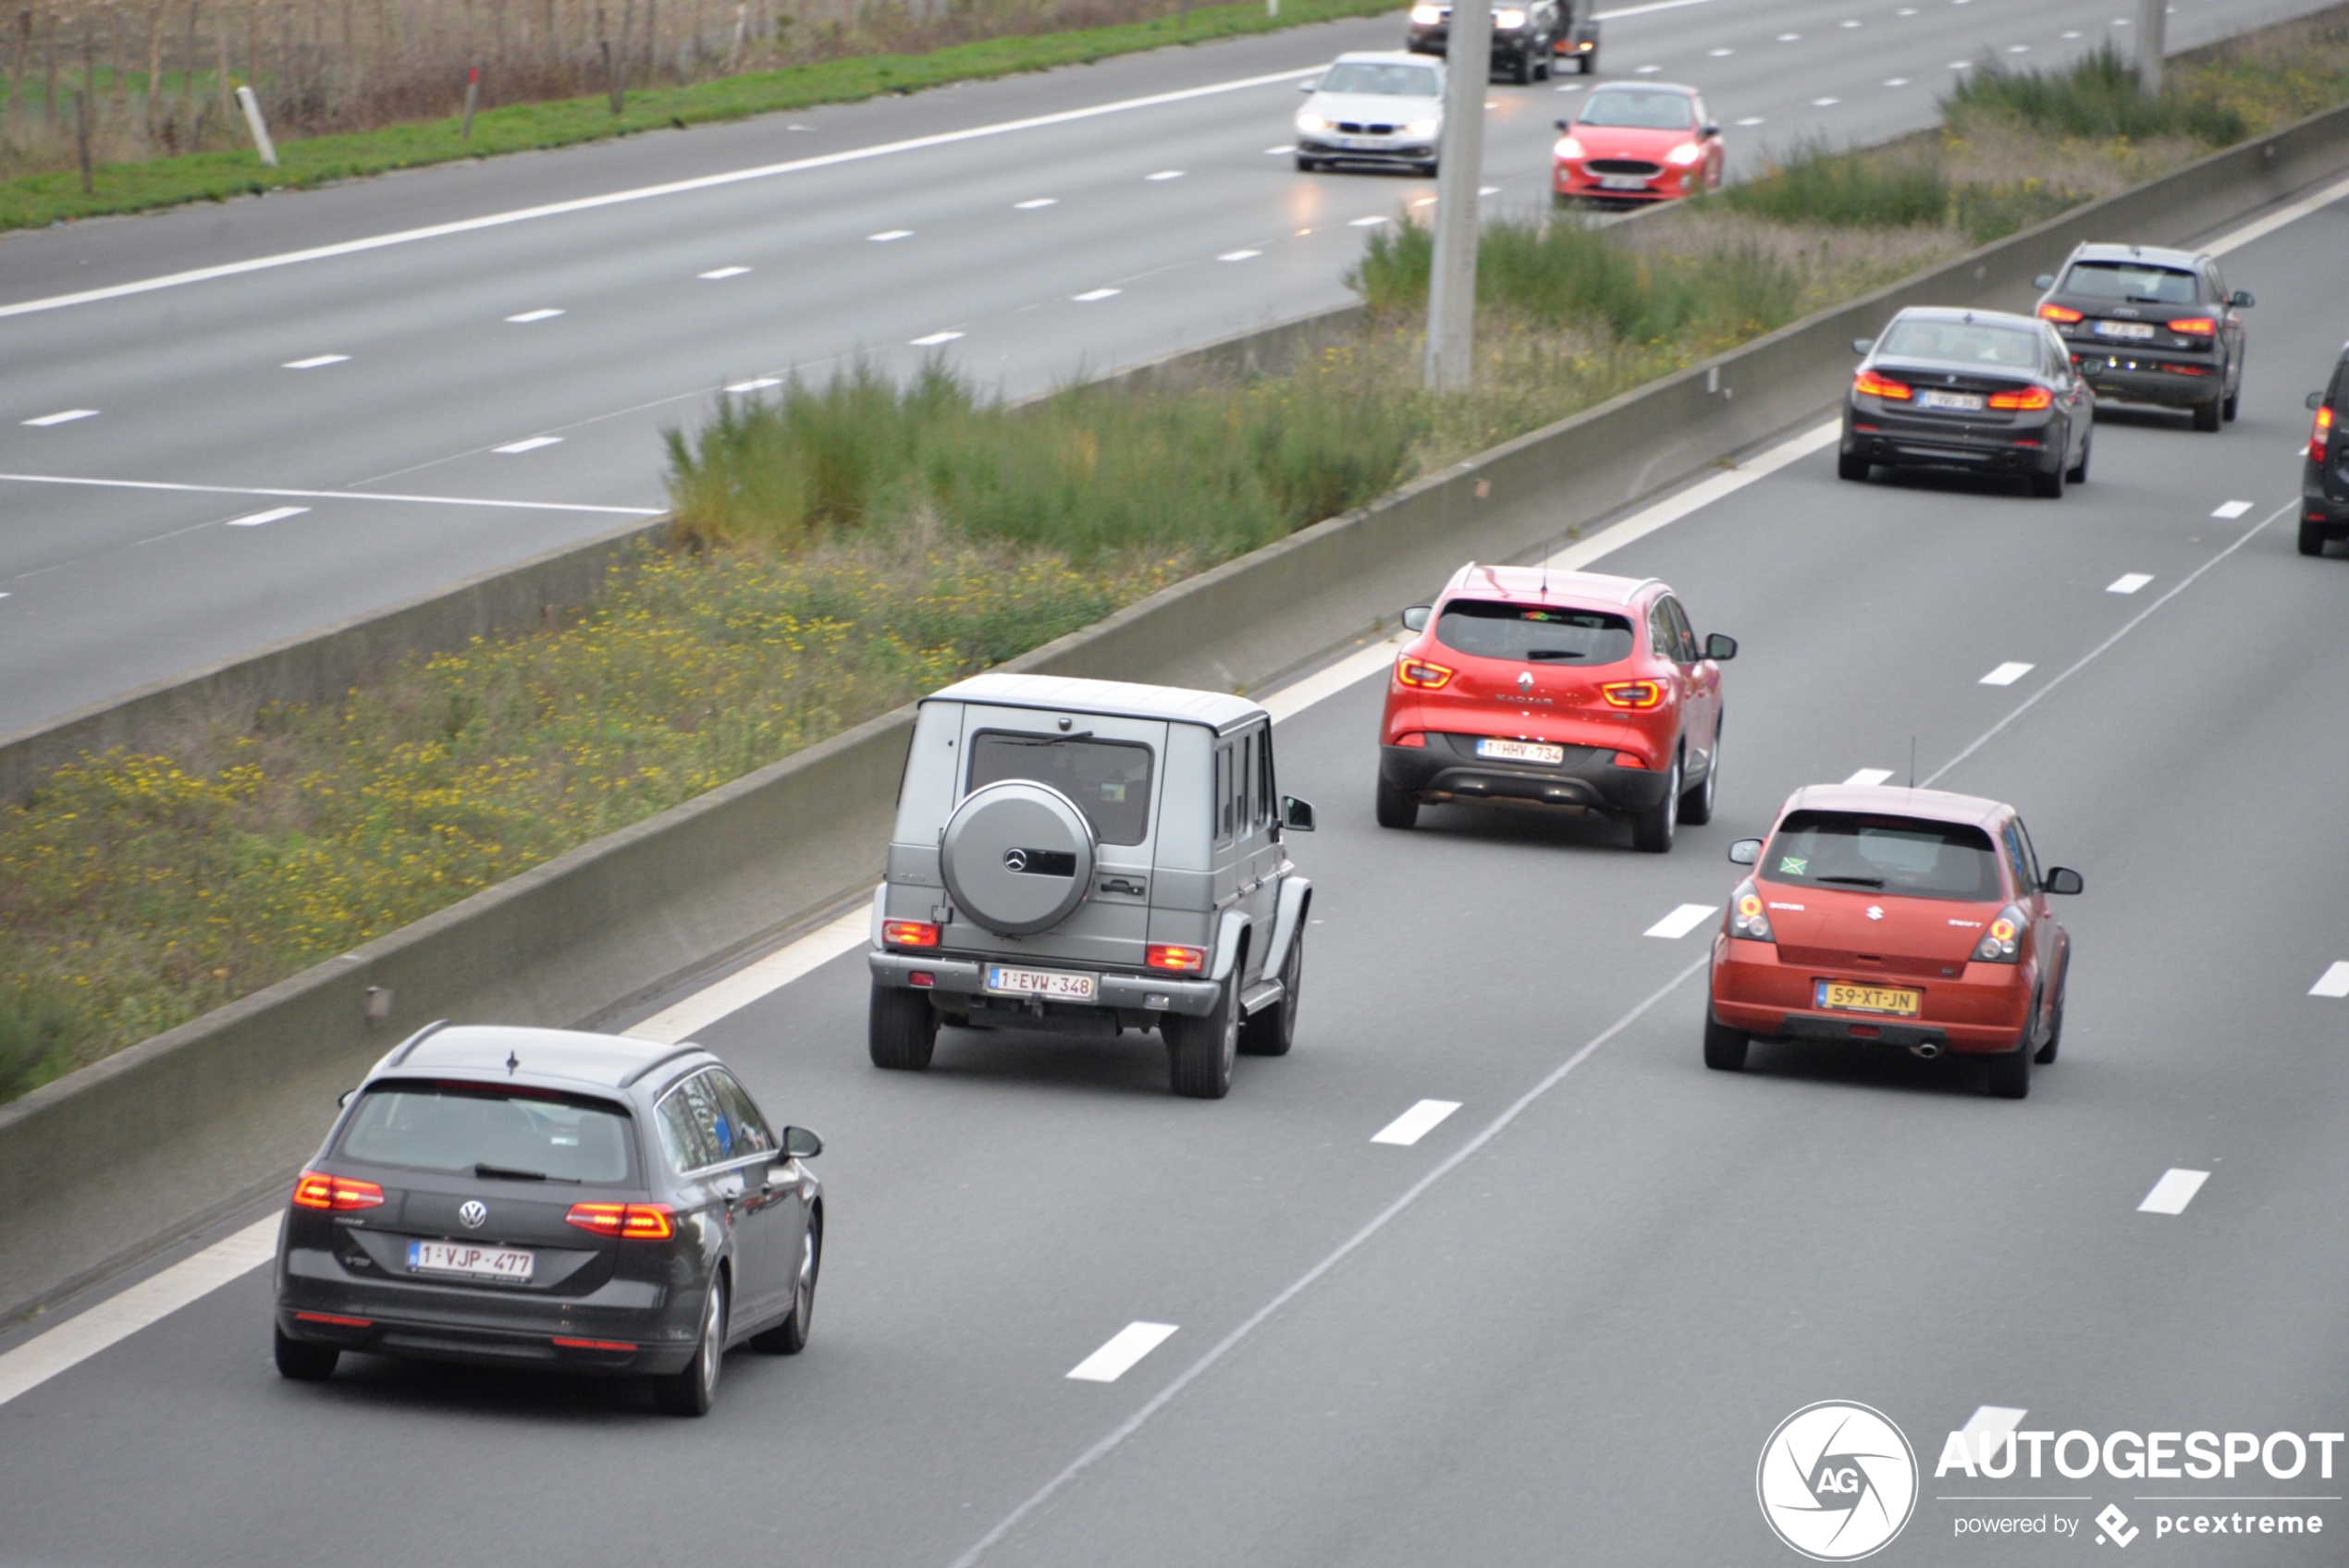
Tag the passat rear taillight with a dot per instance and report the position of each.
(1876, 386)
(629, 1221)
(1187, 960)
(2003, 942)
(1748, 920)
(1420, 675)
(2194, 326)
(317, 1190)
(2024, 397)
(2058, 313)
(1632, 694)
(909, 934)
(2322, 436)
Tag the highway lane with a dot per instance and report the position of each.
(1573, 1343)
(419, 381)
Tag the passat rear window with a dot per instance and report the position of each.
(1533, 633)
(1905, 855)
(483, 1129)
(1110, 780)
(2130, 280)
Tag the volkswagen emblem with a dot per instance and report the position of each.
(1525, 681)
(1016, 860)
(472, 1214)
(1875, 912)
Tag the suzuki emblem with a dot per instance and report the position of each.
(472, 1214)
(1525, 681)
(1875, 912)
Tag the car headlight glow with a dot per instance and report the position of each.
(1427, 15)
(1567, 148)
(1425, 128)
(1686, 154)
(1504, 21)
(1308, 120)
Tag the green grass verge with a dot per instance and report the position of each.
(37, 200)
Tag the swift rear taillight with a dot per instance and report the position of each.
(629, 1221)
(318, 1190)
(1748, 920)
(909, 934)
(2058, 313)
(2003, 942)
(1634, 695)
(1876, 386)
(2024, 397)
(2320, 438)
(1420, 675)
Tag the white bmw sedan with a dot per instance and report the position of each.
(1367, 108)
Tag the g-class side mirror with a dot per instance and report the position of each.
(800, 1143)
(2240, 300)
(1414, 618)
(1862, 345)
(2045, 280)
(1746, 852)
(2316, 400)
(1717, 647)
(1296, 815)
(2063, 879)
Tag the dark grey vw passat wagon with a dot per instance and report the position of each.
(537, 1197)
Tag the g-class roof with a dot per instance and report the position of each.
(1069, 694)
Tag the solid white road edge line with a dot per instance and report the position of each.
(2334, 981)
(334, 494)
(1681, 921)
(85, 1334)
(2278, 219)
(1124, 1348)
(1415, 1123)
(2173, 1192)
(672, 1025)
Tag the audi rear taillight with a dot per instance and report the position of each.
(2058, 313)
(909, 934)
(1420, 675)
(2003, 942)
(1876, 386)
(2024, 397)
(1748, 920)
(2322, 436)
(1185, 960)
(629, 1221)
(318, 1190)
(1632, 694)
(2194, 326)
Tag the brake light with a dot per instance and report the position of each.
(629, 1221)
(596, 1344)
(1632, 694)
(2003, 942)
(2058, 313)
(2321, 435)
(1876, 386)
(2194, 326)
(1189, 961)
(317, 1190)
(1411, 738)
(1748, 921)
(2022, 398)
(909, 934)
(334, 1318)
(1421, 676)
(1629, 759)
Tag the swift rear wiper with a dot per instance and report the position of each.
(1853, 881)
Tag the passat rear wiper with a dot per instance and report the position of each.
(505, 1173)
(1854, 881)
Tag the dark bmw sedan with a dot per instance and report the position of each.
(1979, 390)
(2150, 325)
(535, 1198)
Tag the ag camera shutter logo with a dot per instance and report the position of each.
(1837, 1481)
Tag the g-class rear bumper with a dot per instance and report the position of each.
(1113, 992)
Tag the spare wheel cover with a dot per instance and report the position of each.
(1017, 856)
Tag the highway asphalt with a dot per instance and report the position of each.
(437, 370)
(1559, 1326)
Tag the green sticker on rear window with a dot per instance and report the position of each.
(1793, 865)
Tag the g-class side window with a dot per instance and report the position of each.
(1224, 793)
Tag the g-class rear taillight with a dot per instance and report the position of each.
(318, 1190)
(1165, 955)
(909, 934)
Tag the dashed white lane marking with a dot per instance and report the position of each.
(1790, 38)
(1571, 87)
(2334, 981)
(274, 514)
(2018, 48)
(1720, 54)
(1093, 295)
(719, 275)
(2232, 509)
(530, 445)
(677, 1025)
(1824, 102)
(1239, 255)
(2006, 675)
(1846, 24)
(935, 339)
(1896, 81)
(1415, 1123)
(2173, 1192)
(1987, 1425)
(1647, 70)
(756, 384)
(1368, 222)
(1280, 151)
(65, 417)
(1869, 777)
(2071, 35)
(1962, 64)
(1033, 202)
(1681, 921)
(528, 316)
(86, 1333)
(1165, 174)
(315, 360)
(2128, 582)
(1124, 1348)
(1751, 119)
(1906, 11)
(886, 235)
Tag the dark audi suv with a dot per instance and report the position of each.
(2324, 477)
(536, 1197)
(2150, 325)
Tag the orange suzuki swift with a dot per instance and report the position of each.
(1538, 687)
(1908, 918)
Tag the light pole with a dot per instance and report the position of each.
(1451, 293)
(2153, 27)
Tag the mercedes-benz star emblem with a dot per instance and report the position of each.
(1525, 681)
(1875, 912)
(1016, 860)
(472, 1214)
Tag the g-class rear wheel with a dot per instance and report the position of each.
(1199, 1050)
(901, 1030)
(1273, 1031)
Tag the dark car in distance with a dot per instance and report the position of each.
(1528, 36)
(2150, 325)
(539, 1197)
(1979, 390)
(2324, 471)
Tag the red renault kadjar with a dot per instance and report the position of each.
(1566, 689)
(1908, 918)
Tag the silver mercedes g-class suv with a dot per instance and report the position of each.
(1087, 857)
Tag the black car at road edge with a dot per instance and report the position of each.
(2324, 470)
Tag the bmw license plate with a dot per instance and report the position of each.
(2130, 329)
(1958, 402)
(478, 1263)
(1521, 751)
(1622, 182)
(1054, 982)
(1842, 995)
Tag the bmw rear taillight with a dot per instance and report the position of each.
(2024, 397)
(1637, 694)
(2003, 942)
(1748, 920)
(2194, 326)
(1876, 386)
(1420, 675)
(2322, 436)
(909, 934)
(317, 1190)
(2058, 313)
(629, 1221)
(1185, 960)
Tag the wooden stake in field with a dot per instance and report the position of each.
(15, 72)
(154, 67)
(81, 135)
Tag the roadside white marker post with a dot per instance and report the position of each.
(2153, 27)
(259, 127)
(1451, 289)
